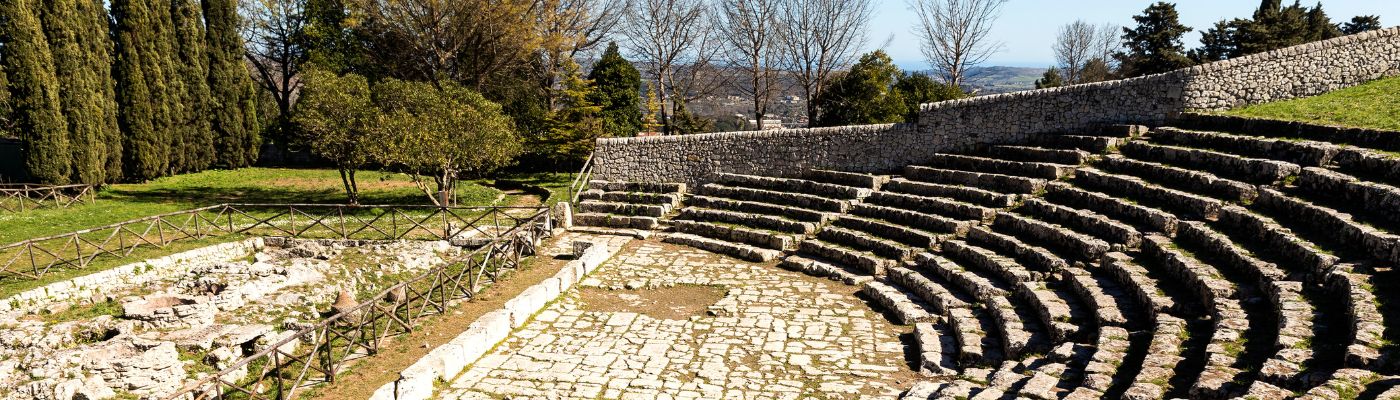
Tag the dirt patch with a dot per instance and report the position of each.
(368, 375)
(676, 302)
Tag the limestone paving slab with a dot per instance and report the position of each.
(775, 334)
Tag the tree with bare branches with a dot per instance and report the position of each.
(819, 37)
(956, 34)
(1085, 52)
(467, 41)
(666, 36)
(275, 46)
(748, 29)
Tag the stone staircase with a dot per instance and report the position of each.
(1206, 260)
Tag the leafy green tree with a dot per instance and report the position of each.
(1220, 42)
(571, 131)
(1361, 23)
(619, 86)
(864, 94)
(234, 101)
(97, 40)
(1154, 45)
(81, 98)
(919, 88)
(140, 86)
(441, 134)
(1051, 78)
(684, 122)
(192, 124)
(338, 117)
(34, 93)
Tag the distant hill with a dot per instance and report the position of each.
(990, 80)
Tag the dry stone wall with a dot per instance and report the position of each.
(1292, 72)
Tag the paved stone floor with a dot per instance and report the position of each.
(773, 334)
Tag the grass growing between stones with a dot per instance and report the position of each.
(1375, 105)
(85, 311)
(11, 285)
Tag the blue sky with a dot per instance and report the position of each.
(1027, 27)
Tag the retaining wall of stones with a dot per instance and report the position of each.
(1304, 70)
(446, 361)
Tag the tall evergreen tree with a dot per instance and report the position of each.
(1220, 42)
(93, 16)
(80, 94)
(1361, 23)
(917, 88)
(34, 93)
(1154, 46)
(618, 91)
(1320, 27)
(864, 94)
(234, 102)
(1051, 78)
(197, 151)
(172, 97)
(6, 122)
(140, 90)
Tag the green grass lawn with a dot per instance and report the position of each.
(116, 203)
(1375, 105)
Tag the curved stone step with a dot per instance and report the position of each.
(995, 182)
(1219, 378)
(1293, 350)
(1083, 220)
(1110, 349)
(1014, 334)
(933, 293)
(904, 307)
(1379, 199)
(1191, 205)
(1135, 279)
(1039, 154)
(932, 205)
(981, 197)
(1307, 153)
(863, 261)
(1053, 311)
(1163, 354)
(1094, 292)
(822, 268)
(798, 200)
(760, 221)
(1343, 384)
(1092, 144)
(863, 241)
(1205, 281)
(640, 210)
(1180, 178)
(865, 220)
(1378, 243)
(1255, 170)
(1220, 248)
(1078, 244)
(852, 179)
(937, 351)
(996, 166)
(615, 221)
(647, 187)
(755, 207)
(1147, 217)
(1367, 324)
(1302, 256)
(670, 200)
(737, 250)
(793, 185)
(988, 261)
(738, 234)
(1370, 164)
(917, 226)
(1044, 261)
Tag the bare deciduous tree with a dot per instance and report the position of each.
(663, 35)
(748, 30)
(1084, 52)
(569, 28)
(272, 38)
(819, 37)
(956, 34)
(463, 40)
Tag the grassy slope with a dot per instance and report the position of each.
(1375, 105)
(117, 203)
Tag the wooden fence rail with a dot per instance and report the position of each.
(317, 353)
(34, 258)
(21, 197)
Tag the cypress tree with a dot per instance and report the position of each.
(5, 120)
(140, 86)
(172, 98)
(197, 150)
(619, 87)
(93, 16)
(80, 95)
(231, 89)
(34, 93)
